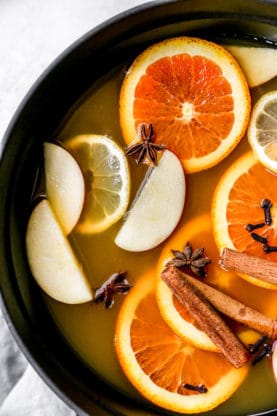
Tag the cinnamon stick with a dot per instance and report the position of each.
(263, 269)
(206, 317)
(236, 310)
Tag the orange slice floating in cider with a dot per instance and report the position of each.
(198, 232)
(165, 369)
(195, 95)
(237, 202)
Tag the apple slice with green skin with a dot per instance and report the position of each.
(65, 187)
(157, 207)
(258, 64)
(52, 260)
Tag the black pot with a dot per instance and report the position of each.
(38, 118)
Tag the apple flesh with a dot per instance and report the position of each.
(52, 260)
(259, 64)
(157, 207)
(65, 186)
(274, 359)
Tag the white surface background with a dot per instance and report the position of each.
(32, 34)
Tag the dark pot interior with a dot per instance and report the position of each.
(39, 117)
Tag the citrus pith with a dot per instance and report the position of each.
(159, 364)
(195, 95)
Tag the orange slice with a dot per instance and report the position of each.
(158, 363)
(236, 202)
(195, 95)
(198, 232)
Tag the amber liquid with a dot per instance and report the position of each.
(89, 328)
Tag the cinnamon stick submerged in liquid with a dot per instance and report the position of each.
(257, 267)
(206, 317)
(236, 310)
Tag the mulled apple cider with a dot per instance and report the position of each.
(160, 204)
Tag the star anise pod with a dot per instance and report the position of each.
(145, 148)
(117, 283)
(190, 258)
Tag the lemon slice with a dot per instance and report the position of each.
(107, 178)
(262, 130)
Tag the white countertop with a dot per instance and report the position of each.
(33, 33)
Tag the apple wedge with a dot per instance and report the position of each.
(51, 258)
(157, 208)
(65, 187)
(259, 64)
(274, 360)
